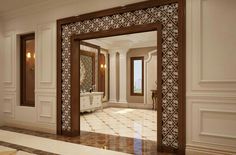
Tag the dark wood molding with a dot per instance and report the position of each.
(182, 76)
(82, 42)
(75, 87)
(90, 45)
(116, 10)
(59, 78)
(159, 87)
(108, 65)
(132, 59)
(102, 74)
(23, 52)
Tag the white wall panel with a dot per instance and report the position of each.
(211, 45)
(46, 111)
(9, 101)
(46, 56)
(218, 123)
(212, 123)
(9, 62)
(211, 77)
(150, 76)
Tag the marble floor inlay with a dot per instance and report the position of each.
(124, 122)
(102, 141)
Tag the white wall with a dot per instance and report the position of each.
(211, 76)
(150, 76)
(40, 19)
(1, 56)
(113, 77)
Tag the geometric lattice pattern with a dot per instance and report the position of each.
(167, 15)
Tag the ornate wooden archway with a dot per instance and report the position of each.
(171, 15)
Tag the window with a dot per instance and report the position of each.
(137, 76)
(27, 70)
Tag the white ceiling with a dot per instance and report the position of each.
(10, 5)
(136, 40)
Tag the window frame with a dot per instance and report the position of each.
(23, 39)
(132, 59)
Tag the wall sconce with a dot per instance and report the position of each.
(103, 66)
(28, 55)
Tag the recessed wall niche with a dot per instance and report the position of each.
(27, 70)
(169, 16)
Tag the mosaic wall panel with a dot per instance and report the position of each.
(92, 50)
(168, 16)
(86, 73)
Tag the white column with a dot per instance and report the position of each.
(112, 77)
(123, 75)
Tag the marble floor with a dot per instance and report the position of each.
(87, 143)
(45, 146)
(11, 151)
(124, 122)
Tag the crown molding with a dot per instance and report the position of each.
(34, 9)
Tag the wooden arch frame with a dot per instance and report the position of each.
(74, 74)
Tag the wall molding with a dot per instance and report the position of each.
(197, 81)
(195, 133)
(203, 150)
(211, 96)
(45, 127)
(202, 133)
(46, 108)
(45, 102)
(9, 101)
(46, 56)
(150, 54)
(9, 84)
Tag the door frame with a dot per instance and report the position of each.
(181, 67)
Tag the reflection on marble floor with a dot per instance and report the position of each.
(47, 146)
(125, 122)
(10, 151)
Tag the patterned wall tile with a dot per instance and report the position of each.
(86, 72)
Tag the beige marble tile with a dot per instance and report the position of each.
(50, 145)
(133, 123)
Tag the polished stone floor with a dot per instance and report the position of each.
(125, 122)
(13, 149)
(93, 143)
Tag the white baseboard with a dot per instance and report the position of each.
(199, 150)
(123, 101)
(47, 128)
(112, 101)
(128, 105)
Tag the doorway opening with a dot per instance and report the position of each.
(99, 113)
(118, 85)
